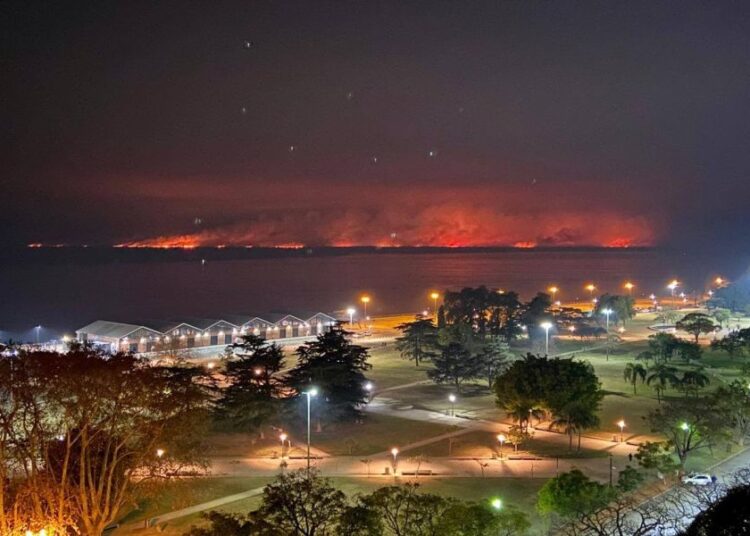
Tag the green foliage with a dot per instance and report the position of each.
(454, 365)
(419, 340)
(634, 372)
(736, 343)
(733, 400)
(660, 376)
(568, 389)
(721, 315)
(656, 456)
(696, 324)
(570, 494)
(252, 395)
(629, 479)
(487, 312)
(662, 346)
(689, 425)
(729, 516)
(622, 307)
(494, 358)
(336, 367)
(735, 297)
(692, 381)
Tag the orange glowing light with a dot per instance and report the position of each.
(524, 245)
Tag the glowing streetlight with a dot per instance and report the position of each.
(685, 427)
(553, 290)
(607, 312)
(159, 453)
(719, 281)
(452, 399)
(365, 300)
(591, 288)
(501, 438)
(38, 329)
(546, 326)
(435, 296)
(368, 386)
(309, 394)
(394, 453)
(350, 311)
(621, 424)
(497, 504)
(629, 287)
(672, 286)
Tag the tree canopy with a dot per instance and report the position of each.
(696, 324)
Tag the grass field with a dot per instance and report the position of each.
(519, 493)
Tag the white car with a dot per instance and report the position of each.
(697, 479)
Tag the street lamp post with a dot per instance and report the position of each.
(369, 387)
(435, 297)
(452, 399)
(621, 424)
(394, 453)
(629, 286)
(546, 326)
(282, 437)
(37, 328)
(591, 288)
(607, 312)
(501, 438)
(365, 300)
(350, 311)
(553, 290)
(309, 394)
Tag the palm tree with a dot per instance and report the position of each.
(693, 380)
(575, 418)
(634, 371)
(661, 375)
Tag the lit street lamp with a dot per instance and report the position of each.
(501, 438)
(591, 288)
(497, 504)
(629, 287)
(452, 399)
(38, 328)
(365, 300)
(283, 438)
(309, 394)
(546, 326)
(621, 424)
(553, 290)
(435, 297)
(369, 387)
(350, 311)
(394, 453)
(607, 312)
(159, 453)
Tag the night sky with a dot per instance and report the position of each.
(399, 123)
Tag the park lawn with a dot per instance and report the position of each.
(177, 494)
(389, 369)
(474, 399)
(378, 433)
(483, 444)
(515, 492)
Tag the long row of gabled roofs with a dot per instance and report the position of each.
(270, 325)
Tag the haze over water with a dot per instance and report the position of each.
(66, 290)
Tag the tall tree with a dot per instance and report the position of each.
(622, 307)
(336, 367)
(721, 316)
(254, 388)
(634, 372)
(688, 425)
(696, 324)
(660, 376)
(84, 428)
(662, 346)
(494, 357)
(733, 401)
(302, 504)
(454, 365)
(736, 343)
(419, 340)
(693, 381)
(535, 311)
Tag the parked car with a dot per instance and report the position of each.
(697, 479)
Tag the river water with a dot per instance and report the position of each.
(62, 291)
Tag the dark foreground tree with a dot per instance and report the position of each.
(419, 340)
(335, 367)
(730, 516)
(253, 393)
(86, 430)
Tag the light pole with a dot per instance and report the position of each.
(629, 286)
(591, 288)
(553, 290)
(368, 387)
(621, 424)
(37, 328)
(309, 393)
(607, 312)
(365, 300)
(501, 438)
(394, 453)
(497, 504)
(546, 326)
(283, 437)
(435, 297)
(452, 399)
(672, 286)
(350, 311)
